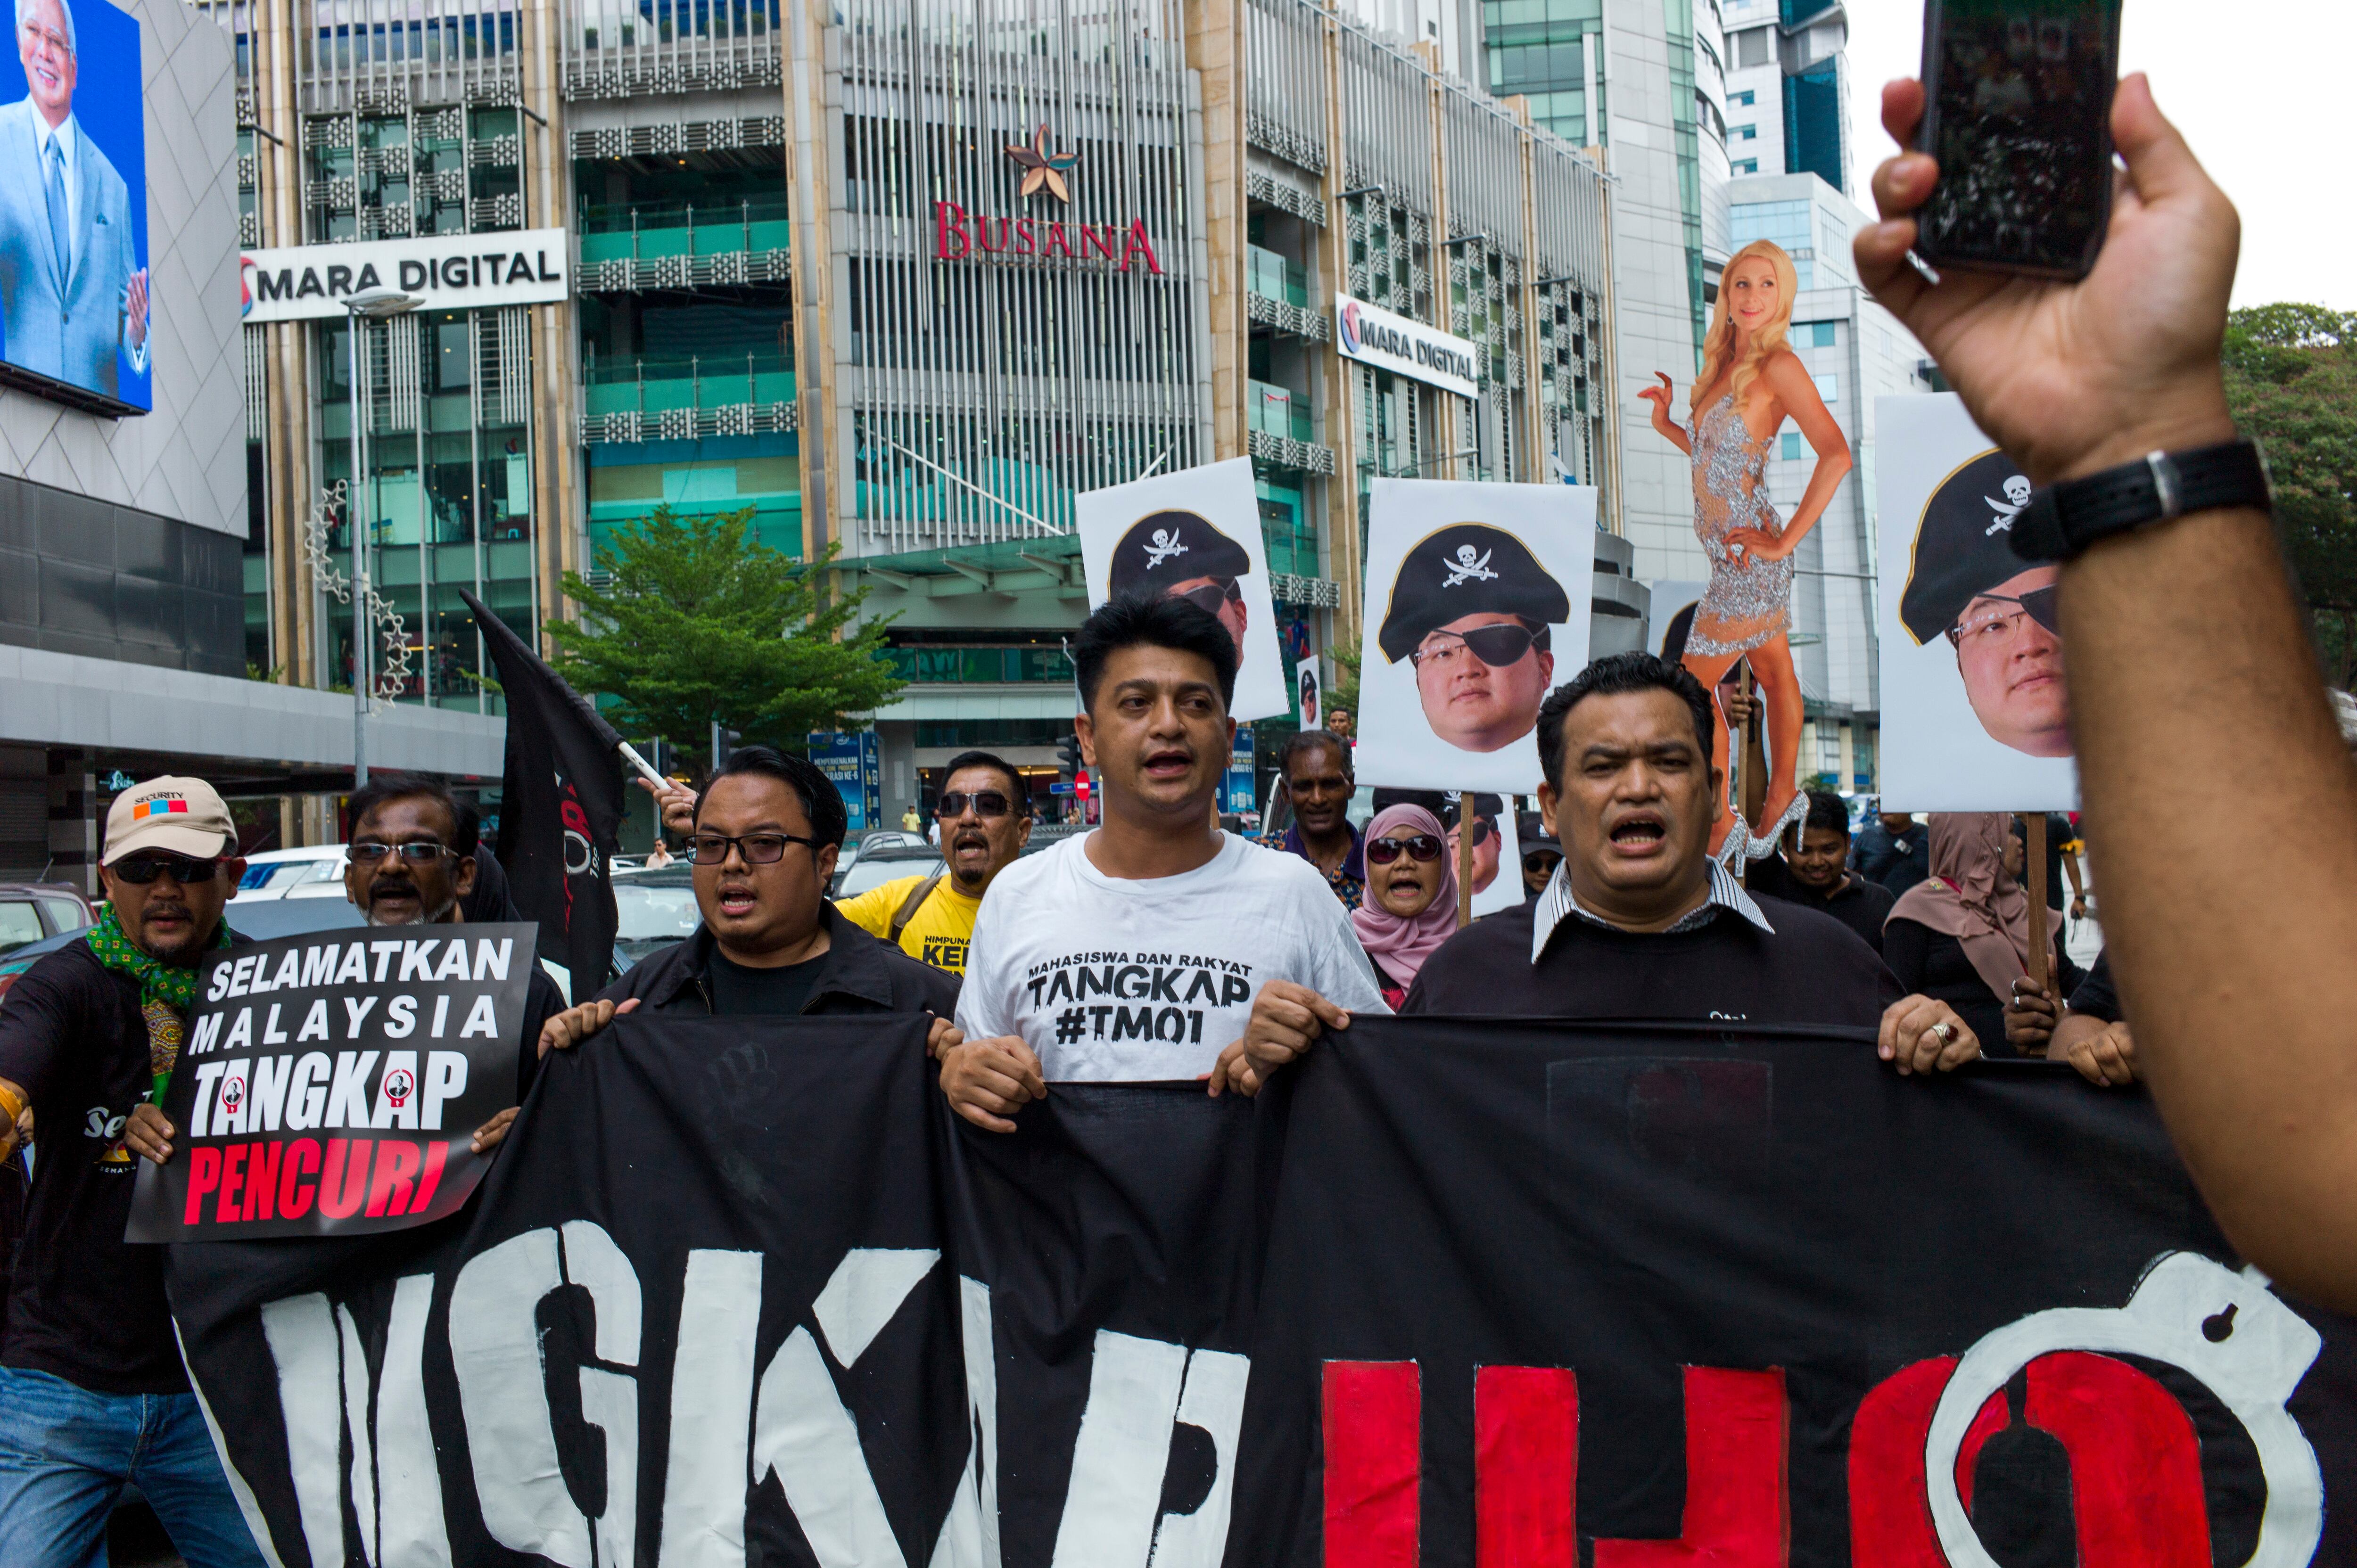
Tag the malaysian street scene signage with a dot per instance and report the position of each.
(960, 235)
(1376, 336)
(448, 272)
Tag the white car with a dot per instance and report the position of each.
(316, 872)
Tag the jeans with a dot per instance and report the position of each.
(65, 1453)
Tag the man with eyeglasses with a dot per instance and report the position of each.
(1966, 583)
(1472, 610)
(985, 819)
(1179, 555)
(763, 843)
(92, 1394)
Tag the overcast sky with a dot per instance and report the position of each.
(2259, 90)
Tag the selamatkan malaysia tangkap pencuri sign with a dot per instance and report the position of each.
(331, 1083)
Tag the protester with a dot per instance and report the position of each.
(1314, 770)
(764, 835)
(659, 853)
(1893, 853)
(2063, 851)
(1816, 874)
(1963, 934)
(92, 1392)
(1489, 844)
(986, 814)
(910, 822)
(487, 901)
(1639, 921)
(1339, 723)
(2091, 1034)
(1411, 906)
(1540, 853)
(1133, 952)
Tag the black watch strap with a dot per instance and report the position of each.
(2062, 519)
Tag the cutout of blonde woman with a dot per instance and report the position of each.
(1751, 382)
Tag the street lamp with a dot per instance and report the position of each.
(377, 304)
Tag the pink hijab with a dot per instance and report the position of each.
(1969, 897)
(1400, 947)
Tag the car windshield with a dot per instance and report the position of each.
(276, 874)
(875, 870)
(20, 924)
(654, 907)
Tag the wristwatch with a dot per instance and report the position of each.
(2062, 519)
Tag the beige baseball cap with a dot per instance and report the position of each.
(181, 816)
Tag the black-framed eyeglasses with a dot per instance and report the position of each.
(1212, 597)
(985, 803)
(2037, 604)
(141, 869)
(368, 852)
(1496, 645)
(759, 849)
(1421, 847)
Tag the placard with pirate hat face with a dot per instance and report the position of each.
(1974, 718)
(1194, 534)
(1477, 606)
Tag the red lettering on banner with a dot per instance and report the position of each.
(1137, 242)
(1374, 1428)
(436, 1153)
(1525, 1467)
(262, 1182)
(301, 1159)
(1092, 239)
(344, 1185)
(1058, 241)
(204, 1175)
(944, 226)
(397, 1161)
(2135, 1463)
(1736, 1513)
(232, 1164)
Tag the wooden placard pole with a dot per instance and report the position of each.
(1752, 771)
(2033, 825)
(1464, 859)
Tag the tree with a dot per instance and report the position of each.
(701, 621)
(2291, 382)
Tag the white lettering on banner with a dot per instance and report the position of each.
(1113, 1507)
(451, 272)
(503, 1394)
(306, 1094)
(1376, 336)
(969, 1537)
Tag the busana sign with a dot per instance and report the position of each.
(961, 236)
(451, 272)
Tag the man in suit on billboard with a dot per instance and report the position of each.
(71, 291)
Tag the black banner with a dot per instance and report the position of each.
(1502, 1293)
(560, 806)
(331, 1083)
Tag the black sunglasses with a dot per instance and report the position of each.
(985, 803)
(368, 852)
(1211, 597)
(760, 849)
(1422, 847)
(1496, 645)
(1480, 832)
(1542, 860)
(2037, 604)
(140, 870)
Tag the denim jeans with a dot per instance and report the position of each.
(65, 1453)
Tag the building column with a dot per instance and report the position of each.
(287, 396)
(555, 460)
(1341, 374)
(1215, 47)
(73, 817)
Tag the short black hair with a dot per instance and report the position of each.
(1313, 740)
(1617, 675)
(1136, 620)
(1016, 792)
(821, 802)
(466, 824)
(1827, 812)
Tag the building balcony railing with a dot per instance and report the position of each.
(625, 249)
(1271, 274)
(985, 666)
(627, 401)
(1279, 411)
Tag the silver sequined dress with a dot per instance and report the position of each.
(1749, 600)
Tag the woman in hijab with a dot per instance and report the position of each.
(1962, 935)
(1410, 906)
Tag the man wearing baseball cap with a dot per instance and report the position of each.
(1965, 583)
(1179, 555)
(1471, 608)
(92, 1394)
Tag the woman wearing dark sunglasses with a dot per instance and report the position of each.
(1410, 908)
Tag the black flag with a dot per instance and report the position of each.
(561, 807)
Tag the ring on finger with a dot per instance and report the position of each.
(1944, 1030)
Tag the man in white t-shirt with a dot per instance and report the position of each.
(1133, 953)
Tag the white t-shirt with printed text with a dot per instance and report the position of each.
(1113, 980)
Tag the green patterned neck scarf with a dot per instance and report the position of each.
(166, 991)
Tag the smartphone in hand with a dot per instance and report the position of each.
(2018, 104)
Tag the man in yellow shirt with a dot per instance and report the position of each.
(986, 818)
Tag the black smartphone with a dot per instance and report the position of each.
(2017, 104)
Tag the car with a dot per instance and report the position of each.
(881, 864)
(31, 911)
(17, 960)
(267, 919)
(652, 909)
(314, 872)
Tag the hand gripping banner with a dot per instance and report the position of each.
(1499, 1294)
